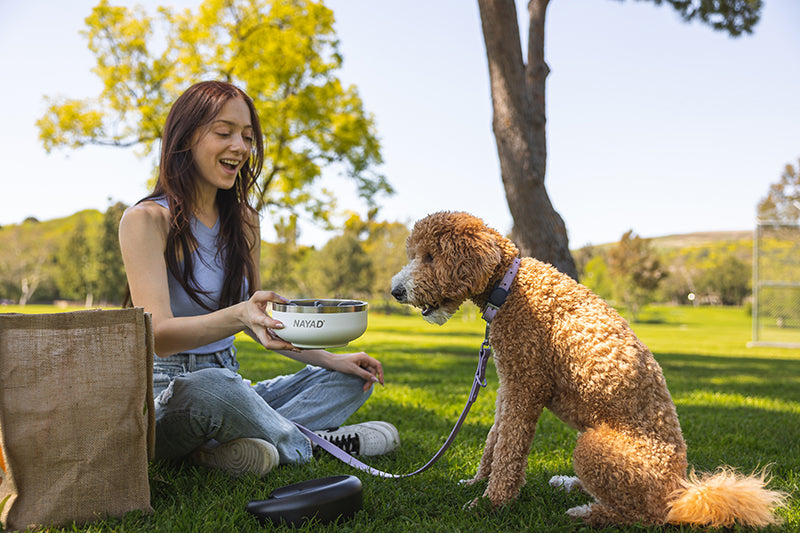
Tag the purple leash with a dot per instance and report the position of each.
(496, 299)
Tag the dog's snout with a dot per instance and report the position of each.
(399, 293)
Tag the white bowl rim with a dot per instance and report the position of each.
(321, 305)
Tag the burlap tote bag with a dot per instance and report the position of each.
(76, 416)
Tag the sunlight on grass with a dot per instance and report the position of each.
(738, 406)
(710, 399)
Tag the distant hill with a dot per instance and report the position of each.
(692, 240)
(32, 232)
(701, 238)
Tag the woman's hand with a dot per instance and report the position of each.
(263, 328)
(359, 364)
(257, 320)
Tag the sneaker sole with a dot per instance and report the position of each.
(239, 456)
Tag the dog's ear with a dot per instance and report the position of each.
(473, 256)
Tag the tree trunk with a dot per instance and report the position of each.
(28, 288)
(518, 99)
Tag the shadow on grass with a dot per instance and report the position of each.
(747, 376)
(737, 411)
(746, 438)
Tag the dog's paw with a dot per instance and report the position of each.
(481, 505)
(467, 482)
(471, 505)
(565, 483)
(581, 511)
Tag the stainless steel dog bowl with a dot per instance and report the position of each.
(321, 323)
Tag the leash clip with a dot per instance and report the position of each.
(480, 372)
(489, 312)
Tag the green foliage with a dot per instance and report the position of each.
(738, 406)
(716, 268)
(28, 266)
(732, 16)
(75, 257)
(112, 281)
(284, 54)
(386, 246)
(89, 262)
(713, 267)
(730, 278)
(357, 263)
(782, 203)
(341, 269)
(595, 275)
(78, 268)
(708, 270)
(635, 270)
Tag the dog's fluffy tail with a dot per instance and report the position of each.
(725, 497)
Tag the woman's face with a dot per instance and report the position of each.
(222, 147)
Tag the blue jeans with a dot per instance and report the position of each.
(202, 398)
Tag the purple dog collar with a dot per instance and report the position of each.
(499, 293)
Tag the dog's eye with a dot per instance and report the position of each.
(427, 258)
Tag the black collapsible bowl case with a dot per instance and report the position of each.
(326, 499)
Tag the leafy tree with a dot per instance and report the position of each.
(729, 280)
(595, 275)
(680, 281)
(281, 261)
(782, 203)
(359, 262)
(592, 268)
(518, 99)
(341, 269)
(111, 279)
(636, 270)
(284, 54)
(78, 265)
(26, 261)
(386, 247)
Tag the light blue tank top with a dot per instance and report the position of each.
(209, 272)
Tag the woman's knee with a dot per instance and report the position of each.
(208, 384)
(351, 382)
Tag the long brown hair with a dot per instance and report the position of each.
(194, 109)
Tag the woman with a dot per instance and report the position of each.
(191, 253)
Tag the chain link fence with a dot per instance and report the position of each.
(776, 285)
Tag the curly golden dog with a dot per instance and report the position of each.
(559, 346)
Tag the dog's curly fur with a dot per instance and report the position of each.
(557, 345)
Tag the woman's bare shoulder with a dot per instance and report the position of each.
(145, 216)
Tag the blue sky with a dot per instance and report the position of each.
(653, 124)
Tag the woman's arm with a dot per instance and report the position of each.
(359, 364)
(142, 236)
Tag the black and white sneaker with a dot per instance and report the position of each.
(366, 439)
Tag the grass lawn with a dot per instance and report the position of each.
(738, 406)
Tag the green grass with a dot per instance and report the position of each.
(738, 406)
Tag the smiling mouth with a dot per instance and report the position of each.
(230, 164)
